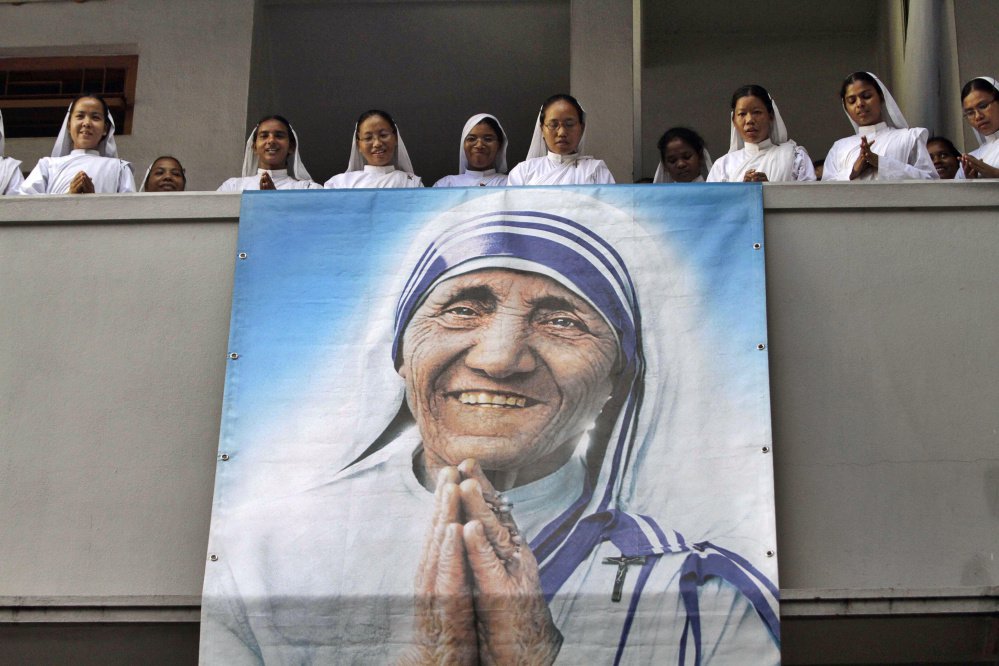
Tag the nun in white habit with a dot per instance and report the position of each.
(10, 169)
(481, 154)
(165, 174)
(683, 157)
(272, 160)
(980, 99)
(759, 150)
(556, 153)
(84, 158)
(378, 156)
(883, 147)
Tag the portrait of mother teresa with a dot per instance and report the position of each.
(506, 491)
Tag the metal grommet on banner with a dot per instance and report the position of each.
(234, 356)
(213, 557)
(770, 553)
(761, 346)
(757, 246)
(766, 449)
(242, 255)
(224, 457)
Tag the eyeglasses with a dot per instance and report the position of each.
(553, 125)
(381, 136)
(978, 108)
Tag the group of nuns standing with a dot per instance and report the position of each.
(378, 156)
(882, 147)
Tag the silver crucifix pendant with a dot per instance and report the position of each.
(622, 570)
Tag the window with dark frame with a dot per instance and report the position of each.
(34, 92)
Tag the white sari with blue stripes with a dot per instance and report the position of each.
(640, 484)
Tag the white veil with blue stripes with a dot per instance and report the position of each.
(662, 476)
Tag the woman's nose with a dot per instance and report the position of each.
(502, 349)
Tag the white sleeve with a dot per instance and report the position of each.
(602, 175)
(918, 166)
(802, 168)
(16, 178)
(126, 179)
(717, 173)
(516, 175)
(830, 168)
(231, 185)
(37, 181)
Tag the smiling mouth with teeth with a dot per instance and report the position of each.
(491, 399)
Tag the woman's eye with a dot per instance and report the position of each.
(566, 323)
(461, 311)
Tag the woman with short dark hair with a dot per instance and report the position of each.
(946, 157)
(683, 158)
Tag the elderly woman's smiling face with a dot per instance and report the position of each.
(506, 367)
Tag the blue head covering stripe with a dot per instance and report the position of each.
(573, 232)
(598, 277)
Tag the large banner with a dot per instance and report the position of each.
(496, 426)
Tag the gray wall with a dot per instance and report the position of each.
(193, 78)
(430, 64)
(882, 306)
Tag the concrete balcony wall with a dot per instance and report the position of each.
(883, 307)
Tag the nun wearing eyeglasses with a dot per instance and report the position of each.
(272, 160)
(515, 403)
(378, 156)
(481, 154)
(556, 153)
(759, 149)
(980, 102)
(10, 169)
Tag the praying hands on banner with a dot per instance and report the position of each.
(478, 591)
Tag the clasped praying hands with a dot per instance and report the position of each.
(478, 590)
(868, 159)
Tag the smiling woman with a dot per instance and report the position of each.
(165, 174)
(84, 158)
(378, 157)
(481, 154)
(514, 408)
(272, 160)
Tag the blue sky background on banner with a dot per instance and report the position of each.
(291, 288)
